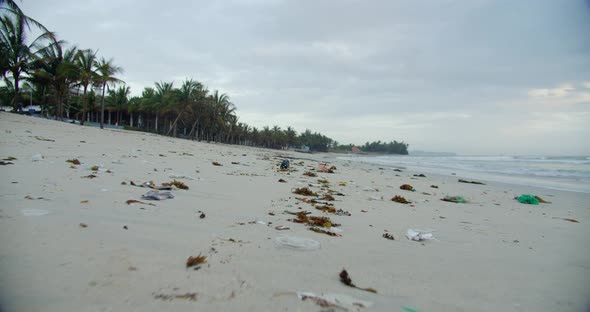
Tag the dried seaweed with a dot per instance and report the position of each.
(471, 182)
(216, 164)
(345, 279)
(388, 236)
(421, 175)
(304, 191)
(434, 186)
(133, 201)
(313, 220)
(177, 184)
(73, 161)
(400, 199)
(407, 187)
(83, 225)
(84, 202)
(192, 261)
(328, 197)
(90, 176)
(9, 158)
(282, 181)
(4, 163)
(187, 296)
(235, 162)
(541, 200)
(571, 220)
(326, 208)
(310, 174)
(319, 230)
(94, 168)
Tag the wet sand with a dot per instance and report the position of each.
(69, 242)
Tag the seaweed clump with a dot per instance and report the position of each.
(193, 261)
(407, 187)
(304, 191)
(326, 208)
(73, 161)
(310, 174)
(322, 231)
(313, 220)
(346, 280)
(177, 184)
(328, 197)
(400, 199)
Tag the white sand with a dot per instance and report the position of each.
(486, 257)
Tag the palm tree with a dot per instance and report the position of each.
(17, 53)
(163, 97)
(86, 62)
(56, 66)
(188, 94)
(117, 100)
(106, 72)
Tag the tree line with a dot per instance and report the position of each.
(67, 81)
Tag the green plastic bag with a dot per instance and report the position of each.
(528, 199)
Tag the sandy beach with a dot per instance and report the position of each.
(71, 242)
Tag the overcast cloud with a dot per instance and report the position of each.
(472, 76)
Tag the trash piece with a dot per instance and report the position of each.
(310, 174)
(318, 230)
(304, 191)
(528, 199)
(397, 170)
(408, 309)
(388, 236)
(133, 201)
(455, 199)
(363, 210)
(34, 212)
(202, 215)
(418, 235)
(73, 161)
(400, 199)
(235, 162)
(4, 163)
(284, 164)
(193, 261)
(541, 200)
(9, 158)
(340, 301)
(471, 182)
(177, 184)
(281, 227)
(37, 157)
(90, 176)
(83, 225)
(421, 175)
(282, 181)
(434, 186)
(407, 187)
(345, 279)
(297, 243)
(156, 195)
(216, 164)
(125, 227)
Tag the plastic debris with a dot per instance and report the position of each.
(37, 157)
(156, 195)
(297, 243)
(527, 199)
(418, 235)
(388, 236)
(284, 164)
(455, 199)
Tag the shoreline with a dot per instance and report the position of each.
(71, 242)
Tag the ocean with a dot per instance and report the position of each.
(571, 173)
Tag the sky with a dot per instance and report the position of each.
(474, 77)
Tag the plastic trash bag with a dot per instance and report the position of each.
(156, 195)
(528, 199)
(418, 235)
(285, 164)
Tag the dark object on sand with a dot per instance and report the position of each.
(125, 227)
(192, 261)
(133, 201)
(4, 163)
(73, 161)
(471, 182)
(310, 174)
(318, 230)
(83, 225)
(397, 170)
(202, 215)
(407, 187)
(571, 220)
(400, 199)
(434, 186)
(216, 163)
(155, 195)
(282, 181)
(421, 175)
(541, 200)
(284, 164)
(345, 279)
(90, 176)
(328, 197)
(313, 220)
(177, 184)
(388, 236)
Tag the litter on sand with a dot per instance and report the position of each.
(133, 201)
(454, 199)
(471, 182)
(388, 236)
(296, 243)
(418, 235)
(284, 164)
(531, 199)
(37, 157)
(157, 195)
